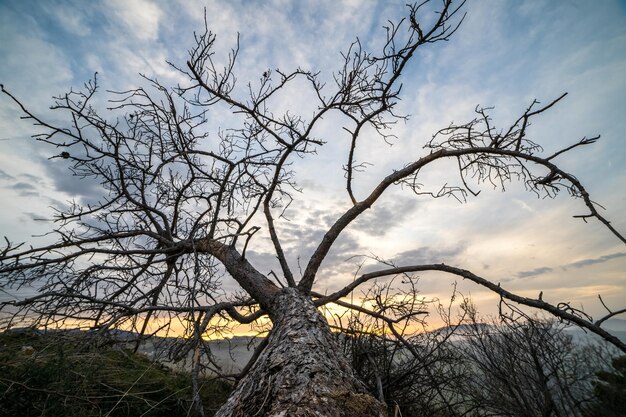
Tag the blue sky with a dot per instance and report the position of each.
(506, 54)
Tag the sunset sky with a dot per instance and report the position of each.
(505, 54)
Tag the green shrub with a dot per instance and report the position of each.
(57, 378)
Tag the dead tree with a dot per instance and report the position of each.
(529, 368)
(180, 208)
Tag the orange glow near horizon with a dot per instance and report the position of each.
(219, 328)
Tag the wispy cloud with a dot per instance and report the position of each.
(138, 18)
(5, 176)
(25, 190)
(70, 15)
(578, 264)
(428, 255)
(382, 218)
(534, 272)
(593, 261)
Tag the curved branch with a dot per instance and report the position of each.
(351, 214)
(496, 288)
(611, 313)
(306, 283)
(252, 281)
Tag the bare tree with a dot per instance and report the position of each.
(470, 367)
(530, 368)
(415, 370)
(180, 209)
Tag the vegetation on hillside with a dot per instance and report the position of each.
(53, 375)
(610, 391)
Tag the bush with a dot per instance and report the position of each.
(48, 375)
(610, 390)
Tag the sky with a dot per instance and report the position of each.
(505, 55)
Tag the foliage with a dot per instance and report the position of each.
(57, 377)
(610, 390)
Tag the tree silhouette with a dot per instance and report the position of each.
(181, 208)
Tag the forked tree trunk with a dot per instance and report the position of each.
(302, 371)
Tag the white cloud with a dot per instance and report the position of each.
(70, 17)
(140, 18)
(30, 64)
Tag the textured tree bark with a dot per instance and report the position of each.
(302, 371)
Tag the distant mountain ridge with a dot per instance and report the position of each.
(232, 354)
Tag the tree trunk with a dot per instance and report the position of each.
(302, 371)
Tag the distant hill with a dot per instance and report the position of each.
(615, 324)
(232, 354)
